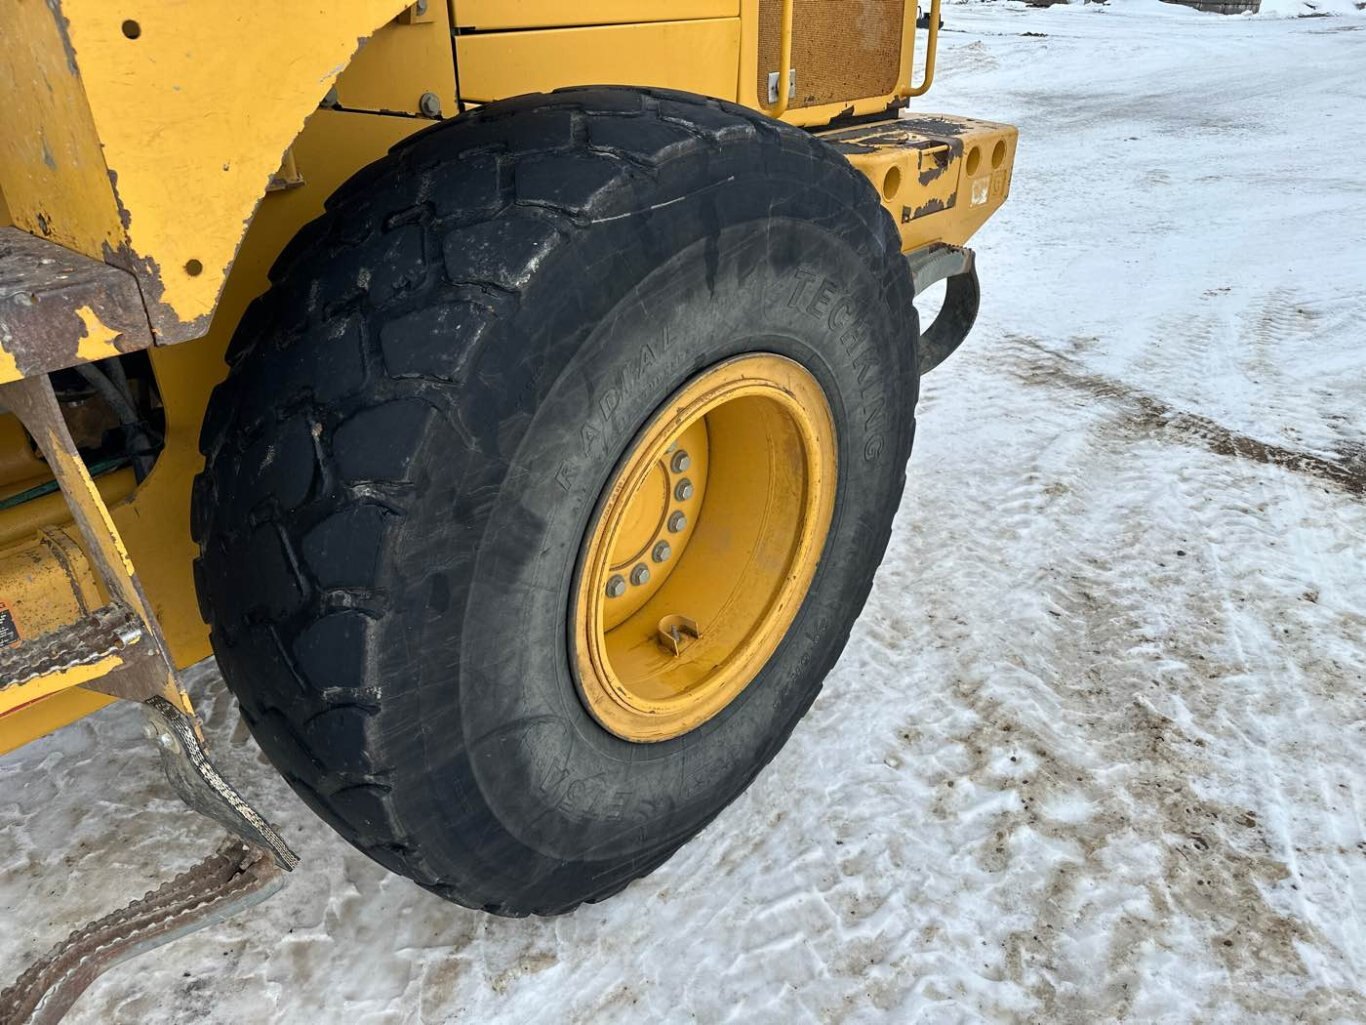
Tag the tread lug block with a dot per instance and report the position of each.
(379, 273)
(418, 344)
(378, 443)
(254, 327)
(538, 131)
(219, 418)
(367, 809)
(602, 101)
(569, 182)
(201, 588)
(402, 264)
(278, 467)
(261, 392)
(266, 581)
(474, 193)
(331, 651)
(342, 730)
(345, 373)
(202, 504)
(640, 135)
(343, 549)
(503, 252)
(311, 237)
(708, 121)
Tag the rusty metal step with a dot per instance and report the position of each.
(106, 632)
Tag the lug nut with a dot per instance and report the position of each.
(641, 574)
(680, 462)
(616, 587)
(677, 521)
(662, 551)
(683, 490)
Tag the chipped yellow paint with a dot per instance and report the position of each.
(51, 168)
(194, 107)
(9, 368)
(98, 340)
(920, 167)
(107, 521)
(16, 696)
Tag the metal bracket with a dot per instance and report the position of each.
(199, 784)
(288, 176)
(962, 297)
(674, 633)
(773, 85)
(58, 308)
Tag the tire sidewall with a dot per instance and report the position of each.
(560, 786)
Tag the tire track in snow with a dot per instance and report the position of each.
(1036, 364)
(1137, 687)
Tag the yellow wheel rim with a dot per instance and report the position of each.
(704, 547)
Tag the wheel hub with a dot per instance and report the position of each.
(704, 547)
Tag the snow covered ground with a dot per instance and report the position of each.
(1095, 750)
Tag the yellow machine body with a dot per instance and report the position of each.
(172, 150)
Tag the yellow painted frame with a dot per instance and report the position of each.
(698, 55)
(178, 114)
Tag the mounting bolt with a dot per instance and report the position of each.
(680, 461)
(616, 587)
(677, 521)
(430, 104)
(420, 7)
(662, 551)
(640, 575)
(683, 490)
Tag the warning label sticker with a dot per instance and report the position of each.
(9, 633)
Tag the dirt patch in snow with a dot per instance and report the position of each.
(1036, 364)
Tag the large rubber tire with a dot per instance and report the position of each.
(420, 417)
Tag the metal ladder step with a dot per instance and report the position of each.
(107, 631)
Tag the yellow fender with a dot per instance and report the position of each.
(188, 110)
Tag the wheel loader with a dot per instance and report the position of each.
(514, 397)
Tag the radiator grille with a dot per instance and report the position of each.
(842, 49)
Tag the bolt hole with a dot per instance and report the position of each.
(194, 268)
(132, 29)
(998, 155)
(891, 183)
(974, 160)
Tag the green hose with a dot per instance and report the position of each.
(39, 490)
